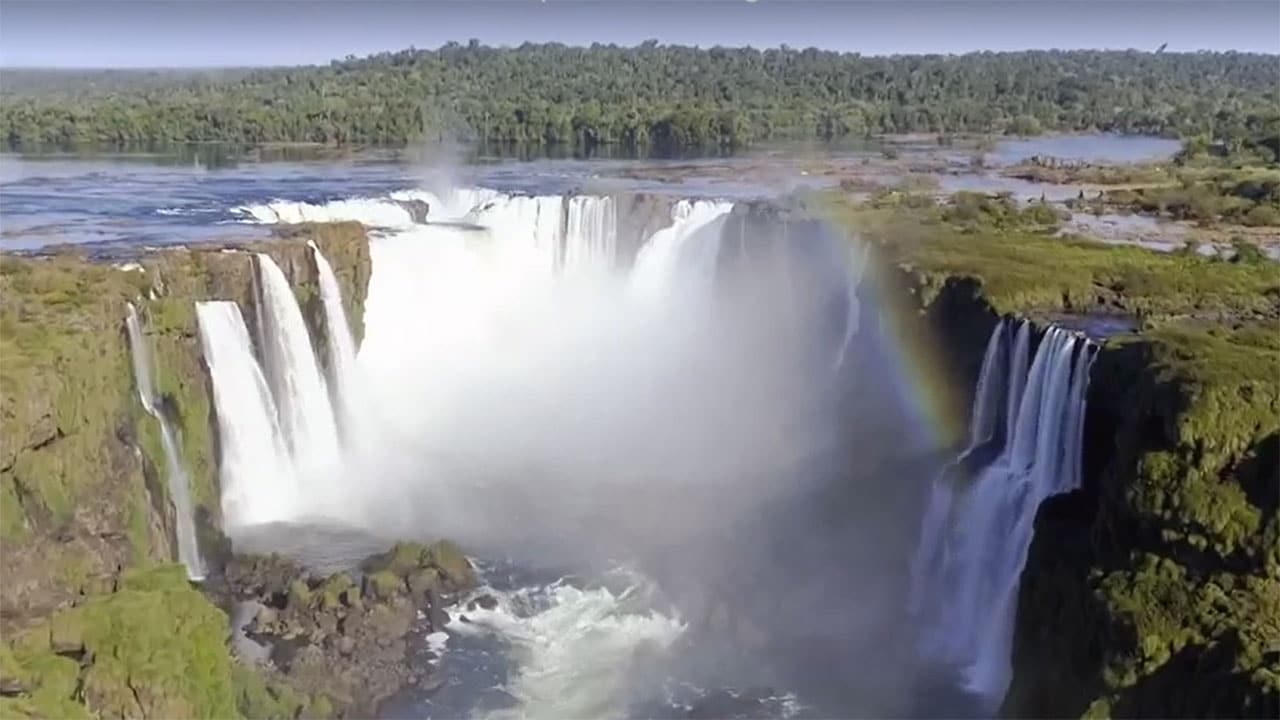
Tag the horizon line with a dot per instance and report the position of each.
(640, 45)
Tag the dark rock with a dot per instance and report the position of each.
(437, 617)
(417, 209)
(488, 602)
(431, 682)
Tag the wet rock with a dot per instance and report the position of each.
(346, 639)
(407, 559)
(417, 209)
(437, 617)
(267, 577)
(487, 602)
(431, 682)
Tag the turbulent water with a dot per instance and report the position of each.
(667, 432)
(179, 481)
(1025, 444)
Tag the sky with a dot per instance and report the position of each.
(128, 33)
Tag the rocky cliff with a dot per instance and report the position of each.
(82, 494)
(1155, 591)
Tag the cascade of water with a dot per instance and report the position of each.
(976, 534)
(684, 252)
(179, 481)
(527, 233)
(858, 258)
(294, 375)
(342, 347)
(257, 477)
(591, 233)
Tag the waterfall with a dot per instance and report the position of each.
(683, 253)
(591, 233)
(297, 385)
(977, 529)
(527, 233)
(859, 254)
(179, 480)
(256, 474)
(342, 347)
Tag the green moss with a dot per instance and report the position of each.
(262, 698)
(155, 648)
(1215, 390)
(384, 584)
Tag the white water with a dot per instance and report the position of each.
(342, 346)
(179, 481)
(256, 472)
(375, 212)
(521, 389)
(576, 649)
(591, 234)
(977, 531)
(671, 261)
(298, 387)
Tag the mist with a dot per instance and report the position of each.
(722, 418)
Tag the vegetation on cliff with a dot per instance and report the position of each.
(660, 96)
(1023, 265)
(82, 492)
(155, 647)
(1156, 590)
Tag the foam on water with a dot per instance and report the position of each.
(574, 648)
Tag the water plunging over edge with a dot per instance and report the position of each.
(179, 480)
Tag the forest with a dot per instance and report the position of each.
(651, 96)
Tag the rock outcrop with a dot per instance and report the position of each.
(1155, 591)
(82, 494)
(343, 636)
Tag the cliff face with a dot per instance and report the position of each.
(82, 491)
(1155, 591)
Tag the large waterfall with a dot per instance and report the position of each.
(256, 473)
(526, 391)
(179, 481)
(1025, 444)
(669, 257)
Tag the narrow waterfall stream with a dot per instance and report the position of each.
(176, 475)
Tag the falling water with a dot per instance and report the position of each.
(672, 255)
(179, 480)
(591, 233)
(294, 375)
(977, 531)
(257, 477)
(859, 254)
(342, 346)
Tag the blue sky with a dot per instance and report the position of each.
(124, 33)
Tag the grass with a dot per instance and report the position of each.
(1023, 267)
(154, 648)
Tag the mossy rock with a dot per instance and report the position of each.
(80, 457)
(406, 558)
(154, 648)
(383, 585)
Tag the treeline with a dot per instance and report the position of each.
(659, 96)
